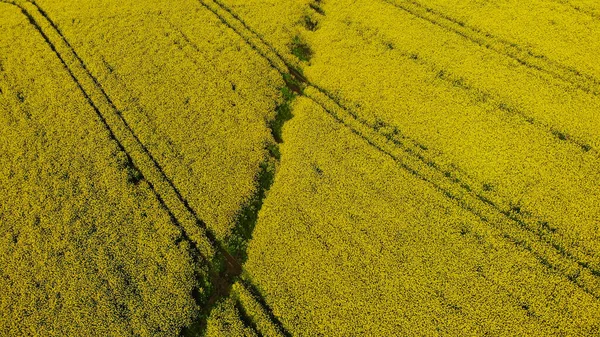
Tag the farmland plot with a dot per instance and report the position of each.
(188, 87)
(514, 145)
(530, 171)
(315, 167)
(373, 249)
(87, 248)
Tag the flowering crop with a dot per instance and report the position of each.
(310, 168)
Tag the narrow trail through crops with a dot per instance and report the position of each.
(531, 236)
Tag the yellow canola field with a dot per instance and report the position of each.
(486, 74)
(350, 243)
(225, 321)
(438, 176)
(194, 93)
(559, 31)
(240, 314)
(589, 7)
(278, 22)
(510, 136)
(529, 169)
(86, 249)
